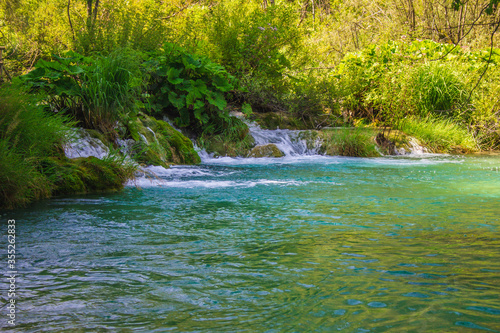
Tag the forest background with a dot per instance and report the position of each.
(424, 68)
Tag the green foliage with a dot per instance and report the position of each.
(440, 135)
(392, 81)
(190, 88)
(249, 40)
(356, 142)
(27, 134)
(438, 88)
(119, 24)
(95, 91)
(433, 75)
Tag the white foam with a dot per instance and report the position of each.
(288, 141)
(143, 182)
(176, 171)
(81, 144)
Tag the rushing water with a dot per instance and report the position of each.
(296, 244)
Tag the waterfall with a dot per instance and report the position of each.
(81, 144)
(413, 148)
(290, 142)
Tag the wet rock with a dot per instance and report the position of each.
(269, 150)
(385, 144)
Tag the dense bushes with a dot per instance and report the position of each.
(391, 82)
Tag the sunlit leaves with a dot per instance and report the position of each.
(195, 86)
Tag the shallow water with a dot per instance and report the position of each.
(303, 244)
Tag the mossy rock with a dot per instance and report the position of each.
(86, 175)
(158, 143)
(311, 137)
(269, 150)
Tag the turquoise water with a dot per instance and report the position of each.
(311, 244)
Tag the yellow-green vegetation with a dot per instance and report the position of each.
(429, 69)
(439, 135)
(359, 142)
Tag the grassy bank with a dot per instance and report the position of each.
(32, 162)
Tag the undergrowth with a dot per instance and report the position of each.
(440, 135)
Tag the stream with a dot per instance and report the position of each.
(302, 243)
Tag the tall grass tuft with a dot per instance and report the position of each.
(107, 91)
(438, 88)
(439, 134)
(355, 142)
(27, 135)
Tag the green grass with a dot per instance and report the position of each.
(356, 142)
(107, 90)
(27, 134)
(439, 135)
(438, 88)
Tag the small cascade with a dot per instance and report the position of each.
(154, 134)
(413, 148)
(290, 142)
(416, 148)
(144, 138)
(81, 144)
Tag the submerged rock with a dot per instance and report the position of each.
(269, 150)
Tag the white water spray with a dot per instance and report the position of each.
(81, 144)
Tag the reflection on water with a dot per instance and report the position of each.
(311, 244)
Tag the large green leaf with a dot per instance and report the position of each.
(217, 99)
(222, 83)
(75, 70)
(173, 75)
(189, 62)
(183, 120)
(35, 74)
(201, 115)
(178, 101)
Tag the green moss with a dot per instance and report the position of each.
(158, 143)
(86, 175)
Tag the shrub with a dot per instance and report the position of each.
(190, 88)
(249, 40)
(439, 89)
(95, 91)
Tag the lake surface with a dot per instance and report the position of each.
(304, 244)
